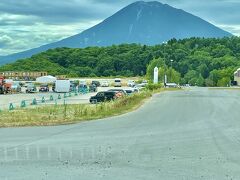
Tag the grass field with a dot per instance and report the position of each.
(67, 114)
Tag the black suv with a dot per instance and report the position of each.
(44, 88)
(96, 83)
(119, 90)
(103, 96)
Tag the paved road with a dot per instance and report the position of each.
(180, 135)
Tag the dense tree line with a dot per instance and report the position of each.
(204, 62)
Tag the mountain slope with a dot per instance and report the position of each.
(141, 22)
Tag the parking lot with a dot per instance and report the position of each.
(58, 98)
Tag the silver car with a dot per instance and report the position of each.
(16, 87)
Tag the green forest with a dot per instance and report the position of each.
(195, 61)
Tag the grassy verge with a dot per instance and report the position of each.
(68, 114)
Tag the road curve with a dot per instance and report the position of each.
(192, 134)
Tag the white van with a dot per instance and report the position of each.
(117, 82)
(62, 86)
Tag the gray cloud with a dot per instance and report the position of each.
(26, 23)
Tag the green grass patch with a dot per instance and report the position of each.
(69, 114)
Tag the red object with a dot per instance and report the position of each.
(5, 87)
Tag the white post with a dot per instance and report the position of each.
(165, 78)
(155, 80)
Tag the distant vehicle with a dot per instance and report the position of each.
(97, 83)
(26, 84)
(62, 86)
(105, 84)
(31, 88)
(103, 96)
(130, 91)
(171, 85)
(139, 87)
(10, 81)
(234, 83)
(53, 87)
(117, 82)
(144, 83)
(44, 88)
(82, 82)
(4, 86)
(16, 87)
(92, 88)
(131, 83)
(21, 84)
(119, 90)
(73, 87)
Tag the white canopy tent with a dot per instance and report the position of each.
(46, 79)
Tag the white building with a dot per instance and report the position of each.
(237, 77)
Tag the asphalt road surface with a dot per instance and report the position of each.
(193, 134)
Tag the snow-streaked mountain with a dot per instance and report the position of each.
(141, 22)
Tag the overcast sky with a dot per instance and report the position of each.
(26, 24)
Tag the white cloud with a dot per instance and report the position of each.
(16, 38)
(234, 29)
(5, 40)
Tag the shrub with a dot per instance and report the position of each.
(152, 87)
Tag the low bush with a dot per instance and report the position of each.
(152, 87)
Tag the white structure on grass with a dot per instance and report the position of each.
(155, 79)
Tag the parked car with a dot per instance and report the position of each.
(44, 88)
(53, 87)
(97, 83)
(16, 87)
(82, 83)
(119, 90)
(144, 83)
(92, 88)
(26, 84)
(139, 87)
(73, 87)
(117, 82)
(130, 91)
(131, 83)
(172, 85)
(103, 96)
(105, 84)
(31, 88)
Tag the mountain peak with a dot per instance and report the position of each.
(143, 22)
(148, 3)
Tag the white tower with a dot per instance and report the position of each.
(155, 80)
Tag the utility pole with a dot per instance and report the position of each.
(164, 58)
(171, 70)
